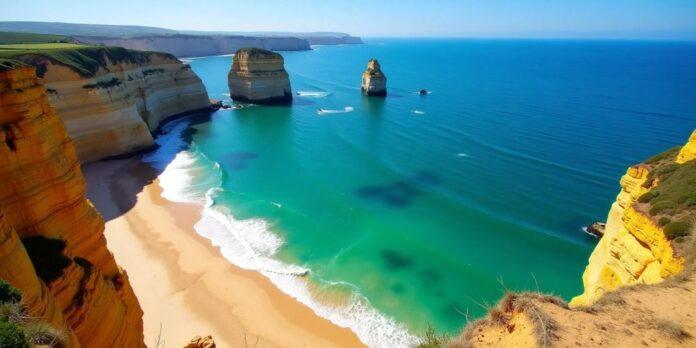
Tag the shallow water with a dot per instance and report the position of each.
(426, 208)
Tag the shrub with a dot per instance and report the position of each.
(43, 334)
(432, 339)
(662, 207)
(648, 196)
(664, 221)
(676, 229)
(8, 293)
(12, 336)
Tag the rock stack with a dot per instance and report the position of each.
(374, 82)
(258, 76)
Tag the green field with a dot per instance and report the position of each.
(39, 46)
(29, 38)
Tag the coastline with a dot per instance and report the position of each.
(183, 283)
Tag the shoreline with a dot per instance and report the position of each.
(183, 283)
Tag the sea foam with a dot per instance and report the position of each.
(251, 244)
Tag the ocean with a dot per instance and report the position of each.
(393, 215)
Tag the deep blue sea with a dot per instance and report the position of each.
(389, 215)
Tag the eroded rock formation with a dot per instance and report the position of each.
(71, 279)
(112, 108)
(374, 82)
(258, 76)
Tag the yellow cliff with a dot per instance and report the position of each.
(640, 283)
(52, 245)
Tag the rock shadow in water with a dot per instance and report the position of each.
(402, 192)
(395, 260)
(237, 161)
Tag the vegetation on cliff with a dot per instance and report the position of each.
(17, 329)
(7, 38)
(83, 59)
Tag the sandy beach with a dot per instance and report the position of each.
(185, 286)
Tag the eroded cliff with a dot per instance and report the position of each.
(110, 98)
(639, 285)
(258, 76)
(374, 82)
(52, 245)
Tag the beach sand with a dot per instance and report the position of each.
(185, 286)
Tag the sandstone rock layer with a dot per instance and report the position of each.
(258, 76)
(42, 198)
(113, 111)
(374, 82)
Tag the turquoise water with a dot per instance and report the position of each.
(427, 208)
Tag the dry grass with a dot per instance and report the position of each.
(545, 326)
(672, 330)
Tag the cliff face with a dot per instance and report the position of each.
(258, 76)
(200, 45)
(112, 109)
(52, 245)
(374, 82)
(640, 283)
(635, 247)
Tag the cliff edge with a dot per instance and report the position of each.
(52, 245)
(110, 98)
(640, 283)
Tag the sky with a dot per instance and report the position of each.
(639, 19)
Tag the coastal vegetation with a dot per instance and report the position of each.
(17, 329)
(8, 38)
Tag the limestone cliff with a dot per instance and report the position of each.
(52, 245)
(258, 76)
(640, 283)
(374, 82)
(112, 100)
(182, 45)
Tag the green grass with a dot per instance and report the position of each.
(83, 59)
(26, 38)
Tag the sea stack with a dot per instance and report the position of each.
(374, 82)
(258, 76)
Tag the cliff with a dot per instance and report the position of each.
(374, 82)
(182, 45)
(258, 76)
(110, 98)
(52, 245)
(639, 285)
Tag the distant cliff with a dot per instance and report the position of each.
(52, 245)
(110, 98)
(199, 45)
(640, 283)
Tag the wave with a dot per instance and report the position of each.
(251, 244)
(418, 112)
(328, 111)
(313, 94)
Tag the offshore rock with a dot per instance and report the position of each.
(258, 76)
(596, 229)
(42, 198)
(374, 82)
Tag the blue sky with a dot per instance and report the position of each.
(675, 19)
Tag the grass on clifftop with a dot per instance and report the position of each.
(673, 201)
(83, 59)
(26, 38)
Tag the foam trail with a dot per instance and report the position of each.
(313, 94)
(251, 244)
(328, 111)
(418, 112)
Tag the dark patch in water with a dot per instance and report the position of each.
(454, 310)
(430, 276)
(396, 260)
(398, 288)
(402, 192)
(236, 161)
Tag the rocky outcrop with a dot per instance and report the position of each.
(182, 45)
(201, 342)
(635, 247)
(374, 82)
(112, 108)
(640, 283)
(258, 76)
(52, 245)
